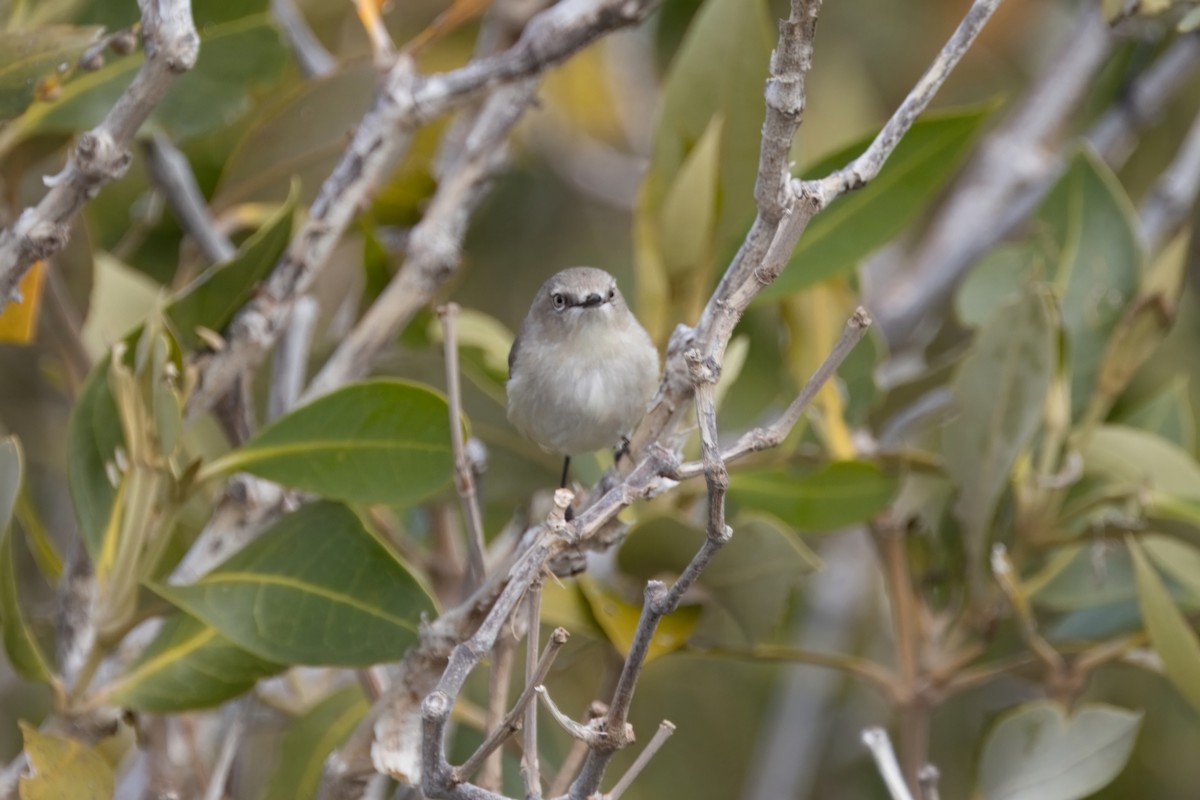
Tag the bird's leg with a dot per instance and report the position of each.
(622, 450)
(562, 484)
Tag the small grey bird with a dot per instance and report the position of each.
(582, 369)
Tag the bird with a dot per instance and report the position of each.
(582, 369)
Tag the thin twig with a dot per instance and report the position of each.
(231, 743)
(1173, 194)
(665, 729)
(760, 439)
(1012, 157)
(102, 154)
(531, 774)
(928, 778)
(508, 725)
(491, 774)
(405, 100)
(312, 57)
(877, 741)
(172, 175)
(290, 365)
(464, 476)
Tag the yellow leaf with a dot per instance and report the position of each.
(18, 321)
(619, 621)
(64, 768)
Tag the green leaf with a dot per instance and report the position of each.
(1180, 561)
(188, 665)
(22, 648)
(1173, 639)
(619, 619)
(1141, 460)
(1038, 753)
(999, 390)
(64, 768)
(379, 441)
(689, 209)
(316, 588)
(998, 278)
(27, 57)
(93, 435)
(859, 223)
(235, 57)
(838, 494)
(302, 136)
(215, 296)
(1168, 414)
(312, 737)
(718, 71)
(1090, 223)
(751, 578)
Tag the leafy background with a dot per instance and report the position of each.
(672, 115)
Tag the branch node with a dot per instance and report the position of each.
(435, 706)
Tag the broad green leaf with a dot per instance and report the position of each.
(1038, 753)
(1180, 561)
(718, 71)
(1141, 460)
(1167, 414)
(838, 494)
(998, 278)
(316, 588)
(618, 619)
(30, 56)
(689, 208)
(93, 435)
(22, 648)
(999, 392)
(235, 57)
(187, 666)
(312, 737)
(215, 296)
(751, 578)
(1087, 578)
(302, 136)
(122, 299)
(379, 441)
(1090, 222)
(1170, 634)
(857, 224)
(64, 768)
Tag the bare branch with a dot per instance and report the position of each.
(314, 60)
(491, 775)
(172, 175)
(464, 476)
(435, 245)
(531, 772)
(1173, 194)
(508, 726)
(928, 778)
(102, 154)
(404, 101)
(290, 365)
(877, 741)
(1010, 158)
(665, 729)
(765, 438)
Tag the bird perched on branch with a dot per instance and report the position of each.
(582, 369)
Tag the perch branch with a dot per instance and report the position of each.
(102, 154)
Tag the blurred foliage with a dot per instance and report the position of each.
(1063, 456)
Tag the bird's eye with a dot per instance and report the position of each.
(612, 292)
(560, 301)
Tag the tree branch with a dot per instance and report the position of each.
(405, 101)
(102, 154)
